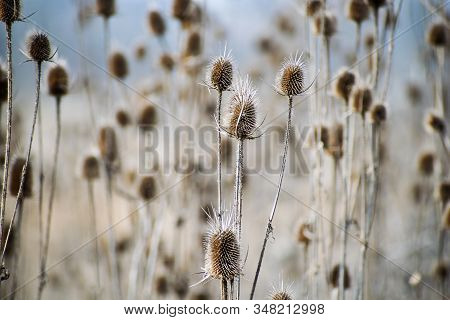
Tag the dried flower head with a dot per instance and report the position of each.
(91, 168)
(335, 147)
(361, 99)
(441, 271)
(312, 7)
(15, 178)
(376, 4)
(107, 145)
(156, 23)
(148, 116)
(344, 84)
(241, 118)
(357, 11)
(285, 25)
(438, 35)
(180, 9)
(444, 192)
(106, 8)
(281, 295)
(435, 124)
(220, 72)
(123, 118)
(162, 285)
(193, 45)
(38, 47)
(425, 163)
(118, 65)
(378, 113)
(166, 61)
(325, 24)
(334, 277)
(10, 11)
(290, 80)
(147, 188)
(58, 80)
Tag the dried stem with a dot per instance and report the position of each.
(376, 65)
(219, 157)
(17, 249)
(238, 200)
(41, 183)
(341, 290)
(224, 289)
(94, 232)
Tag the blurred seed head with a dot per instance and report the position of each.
(344, 84)
(446, 217)
(118, 65)
(58, 80)
(369, 42)
(335, 147)
(425, 163)
(193, 45)
(220, 72)
(38, 47)
(438, 35)
(147, 188)
(148, 116)
(15, 178)
(357, 11)
(444, 192)
(140, 52)
(166, 61)
(304, 234)
(123, 118)
(322, 132)
(181, 287)
(91, 168)
(106, 8)
(107, 145)
(361, 99)
(378, 113)
(376, 4)
(10, 11)
(156, 23)
(435, 124)
(290, 80)
(285, 25)
(180, 9)
(414, 93)
(334, 277)
(441, 271)
(162, 285)
(325, 24)
(312, 7)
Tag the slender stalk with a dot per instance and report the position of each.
(238, 200)
(333, 209)
(357, 40)
(224, 289)
(41, 183)
(269, 228)
(377, 49)
(94, 232)
(17, 249)
(219, 157)
(341, 288)
(327, 73)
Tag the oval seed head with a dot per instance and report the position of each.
(444, 192)
(446, 217)
(58, 81)
(361, 99)
(10, 11)
(312, 7)
(91, 168)
(357, 11)
(107, 144)
(15, 178)
(425, 163)
(336, 144)
(325, 24)
(438, 35)
(123, 118)
(38, 47)
(193, 45)
(220, 72)
(290, 80)
(376, 4)
(140, 52)
(369, 42)
(106, 8)
(180, 9)
(148, 116)
(334, 277)
(378, 113)
(156, 23)
(435, 124)
(118, 65)
(166, 61)
(241, 118)
(147, 188)
(162, 285)
(441, 271)
(344, 85)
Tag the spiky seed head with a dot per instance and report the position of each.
(148, 116)
(166, 61)
(376, 4)
(361, 99)
(15, 178)
(357, 11)
(334, 277)
(378, 113)
(156, 23)
(10, 10)
(290, 80)
(220, 72)
(123, 118)
(344, 84)
(312, 7)
(162, 285)
(446, 217)
(106, 8)
(425, 163)
(441, 271)
(140, 52)
(91, 168)
(438, 35)
(304, 234)
(241, 117)
(435, 124)
(58, 80)
(193, 45)
(147, 188)
(118, 65)
(325, 24)
(281, 295)
(107, 144)
(180, 9)
(336, 145)
(444, 192)
(38, 47)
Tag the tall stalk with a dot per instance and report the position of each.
(376, 66)
(219, 156)
(17, 248)
(238, 200)
(94, 233)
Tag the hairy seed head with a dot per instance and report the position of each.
(378, 113)
(325, 24)
(148, 116)
(361, 100)
(58, 80)
(91, 168)
(123, 118)
(438, 35)
(15, 178)
(147, 188)
(357, 11)
(344, 84)
(435, 124)
(38, 47)
(220, 72)
(118, 65)
(10, 11)
(156, 23)
(280, 295)
(312, 7)
(290, 80)
(334, 277)
(106, 8)
(425, 163)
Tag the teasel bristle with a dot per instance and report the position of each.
(148, 116)
(118, 65)
(16, 176)
(378, 113)
(312, 7)
(162, 285)
(167, 62)
(425, 163)
(344, 84)
(435, 124)
(438, 35)
(156, 23)
(58, 80)
(193, 45)
(123, 118)
(220, 72)
(325, 24)
(376, 4)
(290, 80)
(10, 11)
(446, 217)
(357, 11)
(180, 9)
(106, 8)
(147, 188)
(304, 233)
(444, 192)
(107, 145)
(361, 99)
(241, 118)
(91, 168)
(336, 141)
(334, 277)
(441, 271)
(206, 211)
(38, 47)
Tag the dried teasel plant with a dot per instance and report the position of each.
(281, 292)
(156, 23)
(358, 12)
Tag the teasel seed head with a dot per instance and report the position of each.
(446, 217)
(378, 113)
(344, 84)
(91, 168)
(162, 285)
(166, 61)
(220, 72)
(441, 271)
(361, 100)
(444, 192)
(106, 8)
(435, 124)
(325, 24)
(438, 35)
(38, 47)
(118, 65)
(123, 118)
(336, 142)
(193, 45)
(241, 118)
(147, 188)
(312, 7)
(156, 23)
(148, 116)
(140, 52)
(10, 11)
(15, 178)
(357, 11)
(369, 42)
(280, 295)
(290, 80)
(376, 4)
(180, 9)
(304, 234)
(334, 277)
(58, 80)
(425, 163)
(107, 145)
